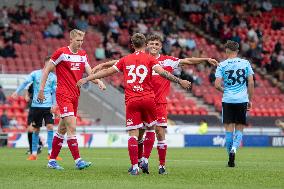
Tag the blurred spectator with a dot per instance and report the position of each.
(2, 96)
(87, 7)
(4, 19)
(275, 24)
(279, 123)
(4, 120)
(82, 23)
(252, 35)
(100, 52)
(190, 43)
(203, 127)
(53, 30)
(114, 28)
(8, 50)
(235, 37)
(61, 10)
(13, 122)
(266, 5)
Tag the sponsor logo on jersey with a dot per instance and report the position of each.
(138, 88)
(75, 66)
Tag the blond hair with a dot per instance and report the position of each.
(76, 32)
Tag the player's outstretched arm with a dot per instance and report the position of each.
(104, 65)
(183, 83)
(46, 70)
(193, 60)
(95, 81)
(27, 81)
(98, 75)
(250, 91)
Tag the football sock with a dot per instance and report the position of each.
(49, 140)
(30, 139)
(162, 151)
(56, 145)
(73, 147)
(140, 150)
(229, 141)
(148, 143)
(35, 138)
(237, 140)
(133, 150)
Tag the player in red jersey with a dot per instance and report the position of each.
(139, 95)
(70, 62)
(161, 88)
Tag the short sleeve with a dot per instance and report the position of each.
(218, 73)
(87, 61)
(57, 57)
(249, 70)
(119, 65)
(174, 62)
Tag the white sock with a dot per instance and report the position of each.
(145, 160)
(234, 149)
(77, 160)
(34, 153)
(135, 166)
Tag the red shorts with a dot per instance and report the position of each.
(140, 112)
(162, 114)
(67, 105)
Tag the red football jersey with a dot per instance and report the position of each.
(69, 69)
(160, 84)
(137, 71)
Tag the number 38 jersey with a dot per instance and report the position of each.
(137, 71)
(234, 72)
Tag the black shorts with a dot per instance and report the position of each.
(234, 113)
(40, 114)
(30, 117)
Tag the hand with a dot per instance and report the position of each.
(213, 62)
(101, 84)
(249, 107)
(40, 96)
(96, 68)
(81, 82)
(185, 84)
(14, 95)
(54, 110)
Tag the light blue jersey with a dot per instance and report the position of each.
(234, 72)
(49, 89)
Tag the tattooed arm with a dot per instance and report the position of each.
(165, 74)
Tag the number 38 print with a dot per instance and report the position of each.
(239, 77)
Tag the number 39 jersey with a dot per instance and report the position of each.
(137, 71)
(234, 72)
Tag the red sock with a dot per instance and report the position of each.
(148, 143)
(73, 146)
(140, 149)
(133, 150)
(162, 151)
(56, 145)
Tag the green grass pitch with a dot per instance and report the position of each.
(187, 167)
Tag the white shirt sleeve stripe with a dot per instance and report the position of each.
(114, 66)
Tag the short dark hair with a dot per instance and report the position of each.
(138, 40)
(154, 37)
(232, 46)
(47, 58)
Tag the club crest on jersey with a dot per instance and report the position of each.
(75, 66)
(129, 122)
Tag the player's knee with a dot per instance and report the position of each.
(49, 127)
